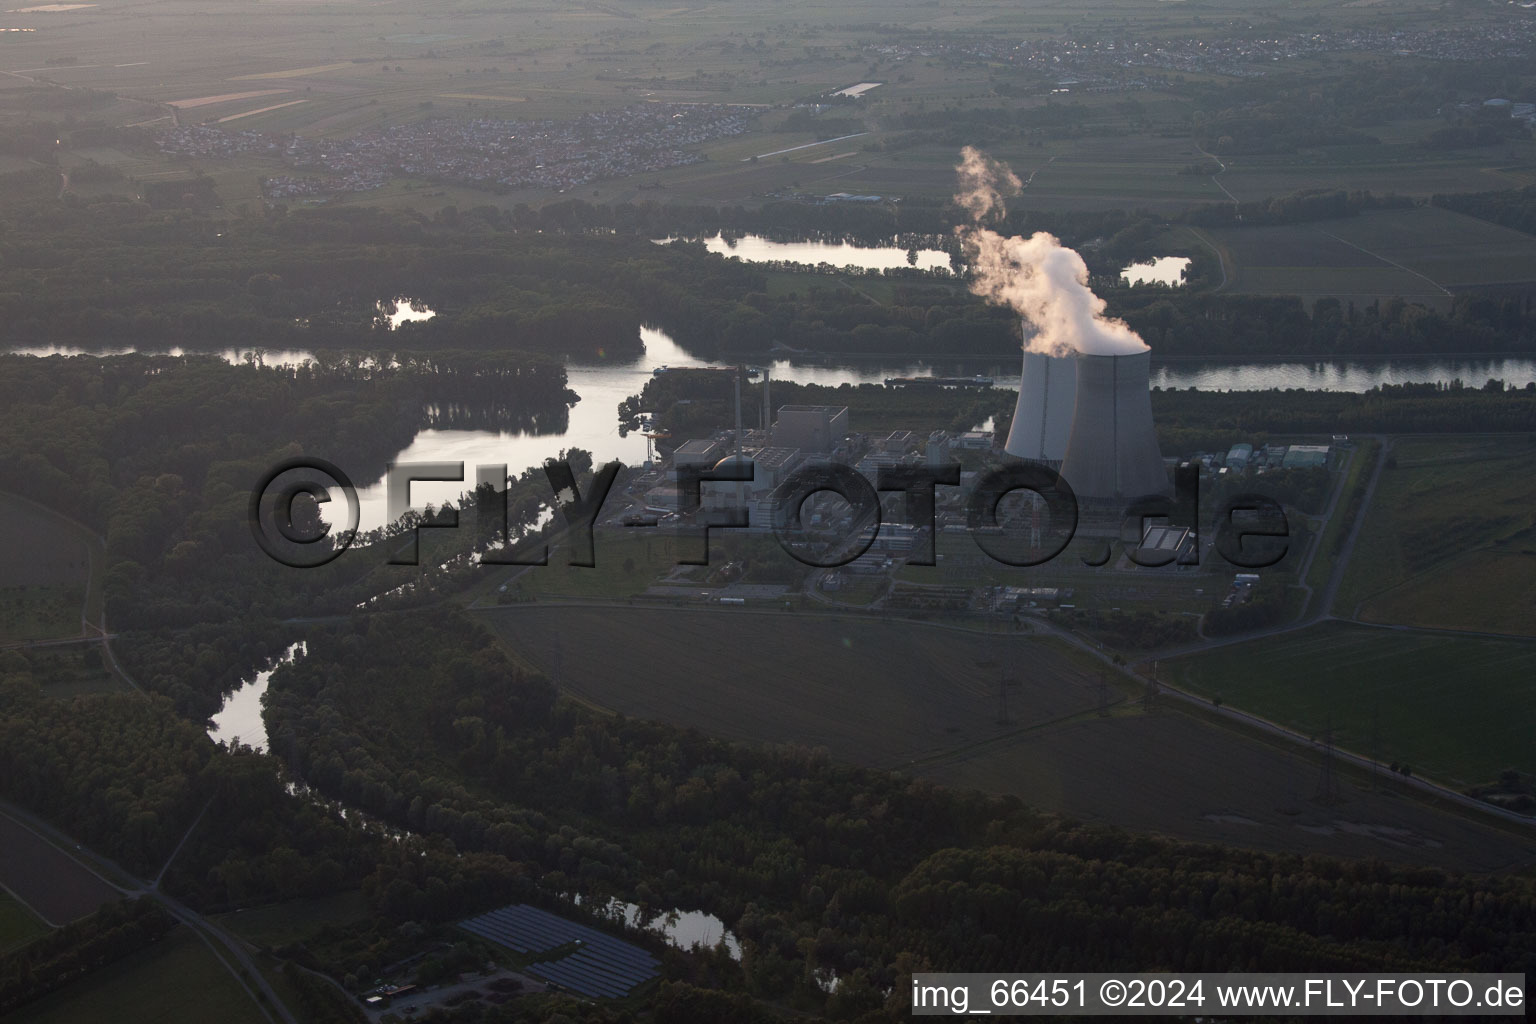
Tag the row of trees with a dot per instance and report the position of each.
(53, 961)
(1513, 208)
(1190, 415)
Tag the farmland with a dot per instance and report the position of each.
(886, 693)
(18, 925)
(1448, 539)
(1423, 254)
(281, 923)
(72, 670)
(891, 694)
(56, 886)
(1362, 459)
(175, 980)
(1457, 709)
(1398, 166)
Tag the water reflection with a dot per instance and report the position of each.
(233, 356)
(757, 249)
(402, 310)
(1339, 374)
(682, 928)
(240, 717)
(1168, 270)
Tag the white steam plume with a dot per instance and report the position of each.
(982, 182)
(1039, 278)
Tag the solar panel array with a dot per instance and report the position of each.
(604, 967)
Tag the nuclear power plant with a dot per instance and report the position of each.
(1042, 421)
(1112, 454)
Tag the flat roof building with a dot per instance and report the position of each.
(974, 440)
(774, 465)
(1170, 544)
(699, 452)
(897, 442)
(937, 449)
(1306, 456)
(811, 428)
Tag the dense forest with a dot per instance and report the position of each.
(159, 454)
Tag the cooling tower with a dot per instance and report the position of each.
(1113, 454)
(1042, 421)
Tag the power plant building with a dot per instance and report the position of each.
(700, 452)
(811, 428)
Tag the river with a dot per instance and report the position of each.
(240, 717)
(593, 423)
(594, 419)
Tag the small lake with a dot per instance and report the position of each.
(1168, 270)
(240, 717)
(682, 928)
(757, 249)
(401, 310)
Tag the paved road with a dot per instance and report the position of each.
(233, 952)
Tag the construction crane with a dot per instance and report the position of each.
(651, 437)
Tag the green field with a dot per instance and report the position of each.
(72, 670)
(627, 562)
(1361, 461)
(882, 692)
(1397, 166)
(890, 694)
(176, 980)
(1457, 709)
(18, 925)
(43, 573)
(1450, 538)
(1451, 249)
(1119, 585)
(282, 923)
(1423, 253)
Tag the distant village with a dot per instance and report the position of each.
(1107, 62)
(483, 152)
